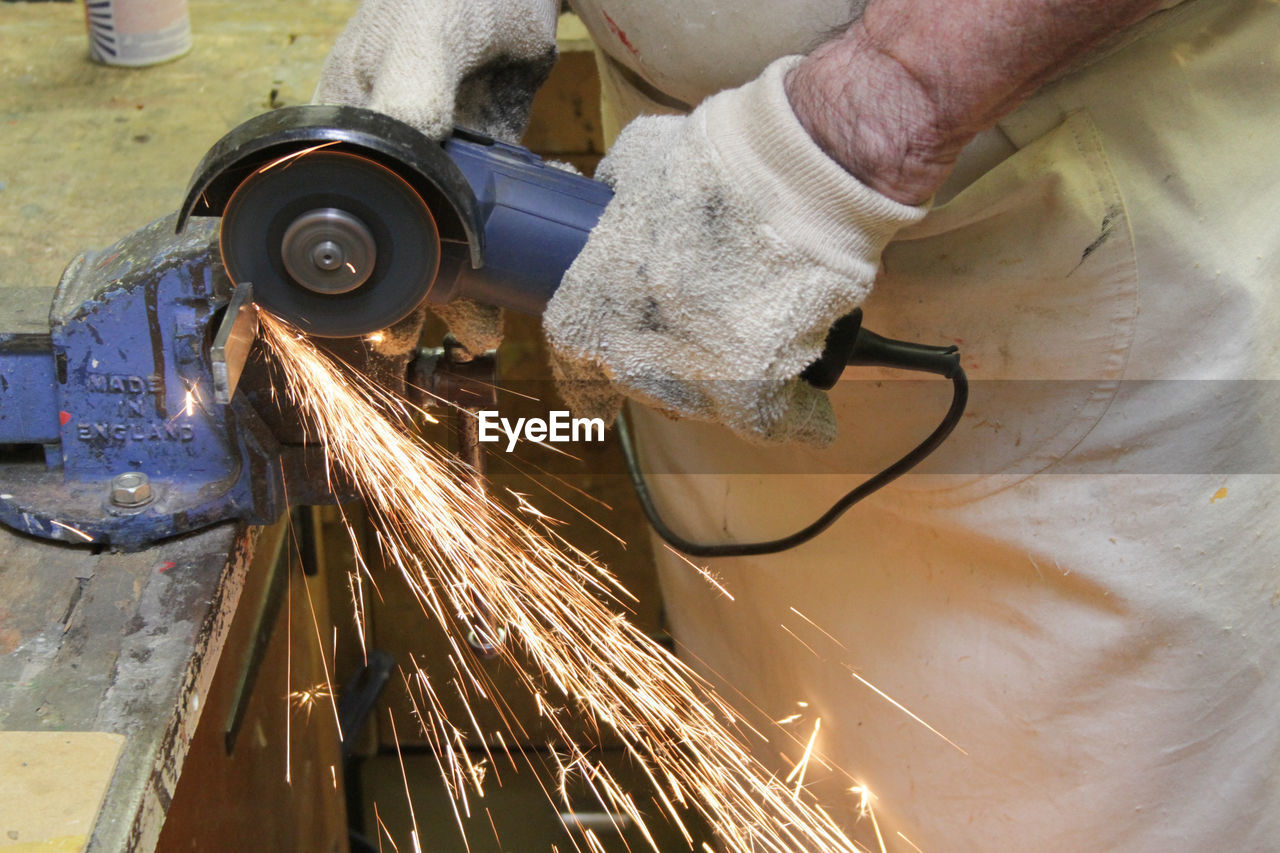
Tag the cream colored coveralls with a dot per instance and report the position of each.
(1083, 592)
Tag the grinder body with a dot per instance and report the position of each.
(536, 220)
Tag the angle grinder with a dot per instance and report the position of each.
(346, 220)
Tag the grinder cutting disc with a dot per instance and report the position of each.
(333, 242)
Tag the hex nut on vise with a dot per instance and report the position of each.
(131, 490)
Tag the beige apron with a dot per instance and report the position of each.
(1082, 592)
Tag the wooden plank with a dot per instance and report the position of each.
(51, 786)
(572, 35)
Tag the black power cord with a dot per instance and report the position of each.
(847, 343)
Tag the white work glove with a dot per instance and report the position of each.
(730, 247)
(434, 64)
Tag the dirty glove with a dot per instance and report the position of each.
(436, 63)
(730, 247)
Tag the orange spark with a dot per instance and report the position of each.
(306, 699)
(294, 156)
(895, 703)
(865, 810)
(797, 772)
(77, 531)
(909, 841)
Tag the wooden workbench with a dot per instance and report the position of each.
(150, 646)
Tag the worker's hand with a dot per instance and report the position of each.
(731, 246)
(434, 64)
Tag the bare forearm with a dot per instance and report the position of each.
(910, 83)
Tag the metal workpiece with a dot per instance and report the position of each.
(459, 383)
(233, 343)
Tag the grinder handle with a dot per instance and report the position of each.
(536, 220)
